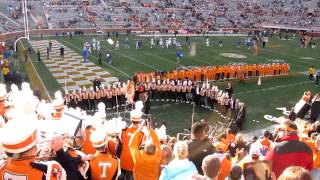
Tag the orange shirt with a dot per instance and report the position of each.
(125, 157)
(225, 166)
(103, 167)
(87, 147)
(21, 169)
(230, 138)
(146, 167)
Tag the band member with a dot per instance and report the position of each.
(123, 147)
(167, 90)
(163, 90)
(58, 107)
(123, 91)
(178, 90)
(103, 166)
(173, 91)
(92, 100)
(184, 90)
(196, 95)
(153, 90)
(114, 95)
(73, 102)
(189, 91)
(98, 95)
(159, 88)
(130, 91)
(86, 101)
(22, 150)
(103, 93)
(67, 98)
(79, 99)
(203, 91)
(109, 97)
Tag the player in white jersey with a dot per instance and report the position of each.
(117, 45)
(161, 42)
(152, 43)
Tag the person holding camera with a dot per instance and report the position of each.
(146, 160)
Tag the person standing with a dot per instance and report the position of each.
(123, 150)
(311, 72)
(103, 166)
(180, 167)
(199, 146)
(22, 150)
(290, 151)
(48, 51)
(50, 46)
(229, 89)
(61, 52)
(100, 56)
(147, 160)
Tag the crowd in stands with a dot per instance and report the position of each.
(168, 15)
(108, 149)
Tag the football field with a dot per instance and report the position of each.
(274, 92)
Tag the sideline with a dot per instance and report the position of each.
(37, 74)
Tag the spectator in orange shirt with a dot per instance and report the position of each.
(146, 161)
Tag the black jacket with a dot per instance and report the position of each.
(198, 150)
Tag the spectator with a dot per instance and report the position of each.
(147, 161)
(180, 167)
(238, 145)
(211, 167)
(235, 173)
(199, 146)
(290, 151)
(225, 160)
(295, 173)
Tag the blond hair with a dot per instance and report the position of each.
(295, 173)
(180, 150)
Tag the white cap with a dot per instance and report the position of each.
(102, 86)
(138, 105)
(18, 136)
(98, 138)
(58, 104)
(135, 115)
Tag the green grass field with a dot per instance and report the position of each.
(274, 92)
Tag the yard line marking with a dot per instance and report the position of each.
(275, 87)
(97, 59)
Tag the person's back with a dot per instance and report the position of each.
(199, 147)
(146, 162)
(290, 151)
(103, 167)
(180, 167)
